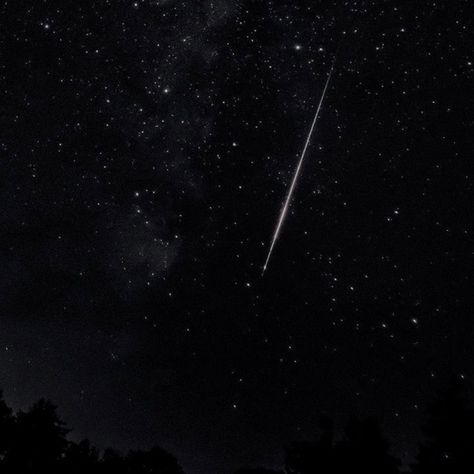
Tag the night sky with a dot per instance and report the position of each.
(146, 151)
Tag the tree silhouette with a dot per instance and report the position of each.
(155, 461)
(361, 449)
(364, 449)
(112, 463)
(36, 442)
(449, 433)
(81, 458)
(257, 470)
(6, 426)
(308, 458)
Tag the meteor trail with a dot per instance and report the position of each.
(296, 175)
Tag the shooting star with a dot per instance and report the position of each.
(297, 173)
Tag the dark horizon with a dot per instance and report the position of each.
(38, 440)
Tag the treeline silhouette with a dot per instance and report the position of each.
(36, 441)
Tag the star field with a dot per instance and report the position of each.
(147, 148)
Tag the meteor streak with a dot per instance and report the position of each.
(297, 173)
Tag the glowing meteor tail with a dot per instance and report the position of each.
(296, 175)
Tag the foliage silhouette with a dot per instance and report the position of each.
(364, 449)
(36, 441)
(81, 458)
(361, 449)
(308, 458)
(449, 433)
(257, 470)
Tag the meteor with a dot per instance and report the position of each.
(284, 211)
